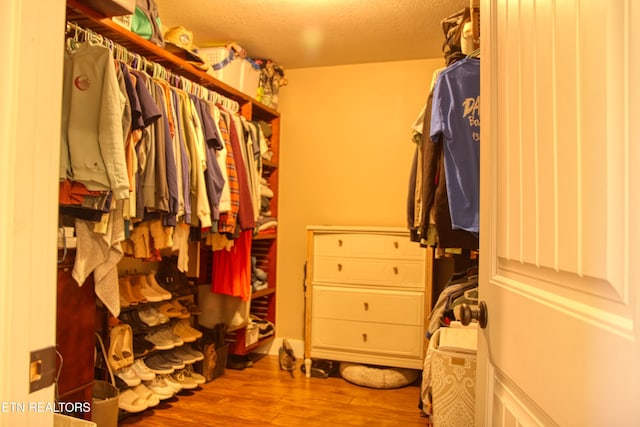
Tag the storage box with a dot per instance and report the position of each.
(111, 8)
(237, 72)
(124, 21)
(252, 334)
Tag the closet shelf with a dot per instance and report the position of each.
(266, 235)
(263, 293)
(95, 21)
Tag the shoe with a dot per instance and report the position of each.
(186, 332)
(129, 376)
(158, 364)
(189, 372)
(142, 346)
(124, 286)
(185, 381)
(120, 346)
(167, 331)
(130, 401)
(136, 288)
(148, 395)
(171, 382)
(147, 316)
(146, 290)
(183, 313)
(197, 355)
(186, 357)
(142, 370)
(171, 279)
(132, 318)
(169, 310)
(153, 284)
(172, 359)
(160, 388)
(160, 340)
(191, 307)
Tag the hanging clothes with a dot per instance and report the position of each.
(455, 122)
(92, 138)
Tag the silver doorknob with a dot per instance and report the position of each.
(466, 314)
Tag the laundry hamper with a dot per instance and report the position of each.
(60, 420)
(449, 377)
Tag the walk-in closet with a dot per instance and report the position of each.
(279, 212)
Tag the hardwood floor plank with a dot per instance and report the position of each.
(264, 395)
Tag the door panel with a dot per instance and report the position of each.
(559, 206)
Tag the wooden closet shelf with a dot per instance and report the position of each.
(95, 21)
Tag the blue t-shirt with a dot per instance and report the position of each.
(455, 119)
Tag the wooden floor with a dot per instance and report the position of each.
(264, 395)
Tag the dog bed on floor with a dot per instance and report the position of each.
(377, 376)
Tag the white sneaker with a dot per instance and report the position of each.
(184, 380)
(142, 370)
(128, 375)
(160, 388)
(189, 372)
(171, 382)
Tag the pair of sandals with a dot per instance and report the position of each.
(137, 399)
(120, 347)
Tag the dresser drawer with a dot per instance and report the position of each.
(367, 245)
(393, 307)
(377, 272)
(373, 338)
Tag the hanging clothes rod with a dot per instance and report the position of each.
(155, 70)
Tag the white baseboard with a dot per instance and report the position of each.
(273, 347)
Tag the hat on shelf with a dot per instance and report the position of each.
(179, 41)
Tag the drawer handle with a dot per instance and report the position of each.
(339, 267)
(340, 242)
(396, 245)
(366, 306)
(395, 270)
(364, 337)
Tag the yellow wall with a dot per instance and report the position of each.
(345, 157)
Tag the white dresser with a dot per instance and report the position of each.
(368, 294)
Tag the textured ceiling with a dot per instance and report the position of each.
(314, 33)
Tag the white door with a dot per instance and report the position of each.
(560, 213)
(32, 33)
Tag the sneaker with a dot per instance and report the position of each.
(197, 355)
(128, 375)
(167, 331)
(161, 340)
(169, 310)
(142, 391)
(161, 317)
(142, 370)
(183, 313)
(160, 388)
(186, 332)
(158, 364)
(184, 380)
(175, 361)
(141, 346)
(171, 382)
(153, 284)
(149, 293)
(184, 355)
(189, 372)
(148, 316)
